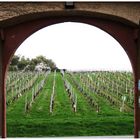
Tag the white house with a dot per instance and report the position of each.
(42, 67)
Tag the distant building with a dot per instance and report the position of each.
(42, 67)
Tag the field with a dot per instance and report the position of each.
(69, 104)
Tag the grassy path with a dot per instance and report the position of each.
(83, 107)
(62, 105)
(42, 102)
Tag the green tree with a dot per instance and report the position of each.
(23, 63)
(51, 64)
(43, 59)
(15, 60)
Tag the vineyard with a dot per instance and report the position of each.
(68, 103)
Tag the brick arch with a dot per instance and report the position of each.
(124, 32)
(16, 34)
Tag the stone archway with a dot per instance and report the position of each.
(14, 31)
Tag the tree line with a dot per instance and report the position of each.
(22, 63)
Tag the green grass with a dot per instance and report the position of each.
(39, 122)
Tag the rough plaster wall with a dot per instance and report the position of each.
(129, 11)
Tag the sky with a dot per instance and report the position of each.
(76, 46)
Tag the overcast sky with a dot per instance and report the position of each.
(76, 46)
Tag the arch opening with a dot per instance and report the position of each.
(96, 72)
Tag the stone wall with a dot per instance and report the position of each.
(129, 10)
